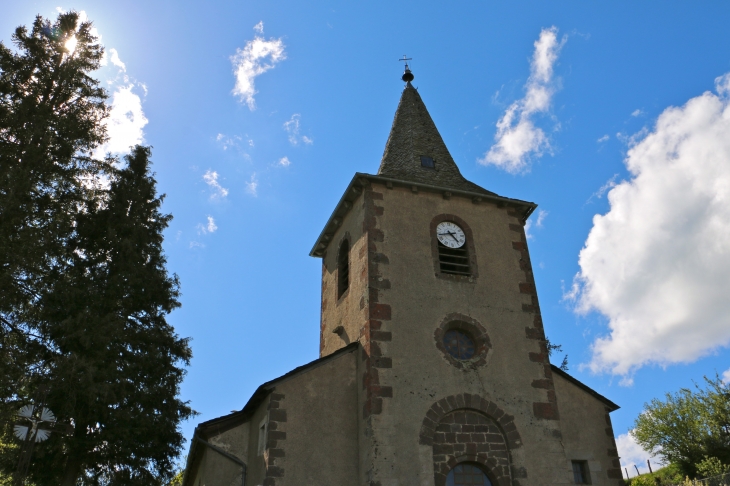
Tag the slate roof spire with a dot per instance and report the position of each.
(415, 151)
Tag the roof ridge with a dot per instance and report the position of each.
(613, 407)
(265, 388)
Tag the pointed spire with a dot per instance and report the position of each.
(415, 151)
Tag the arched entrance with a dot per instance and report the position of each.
(467, 475)
(467, 430)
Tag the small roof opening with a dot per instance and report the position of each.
(427, 162)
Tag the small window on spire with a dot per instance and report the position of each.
(343, 267)
(427, 162)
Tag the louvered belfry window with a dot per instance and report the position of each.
(452, 249)
(343, 268)
(454, 261)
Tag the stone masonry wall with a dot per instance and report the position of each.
(469, 428)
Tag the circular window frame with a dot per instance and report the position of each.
(472, 328)
(460, 336)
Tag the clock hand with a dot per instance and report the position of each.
(454, 237)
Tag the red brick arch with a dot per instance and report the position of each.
(468, 428)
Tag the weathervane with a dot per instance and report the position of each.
(35, 424)
(407, 74)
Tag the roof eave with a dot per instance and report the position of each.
(361, 180)
(226, 422)
(611, 405)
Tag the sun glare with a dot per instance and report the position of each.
(70, 44)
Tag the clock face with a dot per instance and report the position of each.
(450, 235)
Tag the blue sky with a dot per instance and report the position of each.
(612, 116)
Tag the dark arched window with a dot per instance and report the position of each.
(343, 267)
(467, 475)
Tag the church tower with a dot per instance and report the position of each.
(433, 360)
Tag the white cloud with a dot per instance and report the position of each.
(518, 138)
(722, 85)
(726, 376)
(656, 264)
(292, 128)
(528, 229)
(209, 227)
(125, 123)
(258, 56)
(610, 184)
(603, 139)
(284, 162)
(196, 244)
(637, 112)
(632, 455)
(228, 142)
(114, 58)
(211, 178)
(632, 140)
(259, 27)
(252, 185)
(541, 215)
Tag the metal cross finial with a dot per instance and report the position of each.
(407, 74)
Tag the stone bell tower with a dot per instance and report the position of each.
(433, 367)
(432, 275)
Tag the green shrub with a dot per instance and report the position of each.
(711, 466)
(644, 480)
(670, 474)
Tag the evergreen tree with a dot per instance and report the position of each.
(116, 370)
(84, 292)
(50, 121)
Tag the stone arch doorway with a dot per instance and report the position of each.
(467, 474)
(467, 429)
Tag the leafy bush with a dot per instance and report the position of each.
(667, 475)
(711, 466)
(688, 426)
(644, 480)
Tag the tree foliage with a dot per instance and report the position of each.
(50, 121)
(556, 348)
(711, 467)
(84, 290)
(689, 426)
